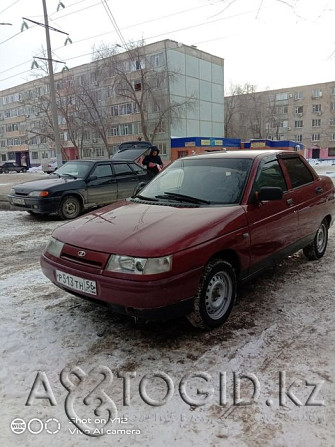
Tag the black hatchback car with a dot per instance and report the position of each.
(80, 185)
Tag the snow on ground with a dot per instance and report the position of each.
(280, 336)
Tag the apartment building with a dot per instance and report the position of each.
(305, 114)
(153, 92)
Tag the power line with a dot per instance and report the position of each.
(149, 38)
(9, 6)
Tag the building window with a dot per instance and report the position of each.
(156, 60)
(34, 155)
(299, 110)
(299, 123)
(137, 86)
(316, 108)
(316, 123)
(316, 93)
(332, 122)
(87, 152)
(113, 131)
(162, 148)
(298, 138)
(332, 106)
(331, 152)
(3, 157)
(332, 91)
(315, 137)
(332, 137)
(281, 96)
(283, 123)
(100, 152)
(282, 110)
(298, 95)
(45, 154)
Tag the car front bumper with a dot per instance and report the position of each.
(160, 299)
(40, 205)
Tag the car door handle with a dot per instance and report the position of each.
(290, 202)
(319, 190)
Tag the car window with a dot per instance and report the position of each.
(122, 169)
(217, 180)
(102, 171)
(298, 172)
(75, 168)
(269, 174)
(138, 169)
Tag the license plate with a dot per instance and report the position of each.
(76, 283)
(18, 201)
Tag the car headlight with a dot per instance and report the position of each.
(54, 247)
(12, 192)
(38, 194)
(139, 266)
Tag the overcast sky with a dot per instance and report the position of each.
(269, 43)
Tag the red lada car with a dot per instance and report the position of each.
(184, 241)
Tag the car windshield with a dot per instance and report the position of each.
(206, 180)
(74, 169)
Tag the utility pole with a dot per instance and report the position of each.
(52, 89)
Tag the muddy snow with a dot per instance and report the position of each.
(265, 378)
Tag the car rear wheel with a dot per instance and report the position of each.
(70, 208)
(317, 248)
(6, 171)
(216, 295)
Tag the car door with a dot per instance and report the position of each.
(273, 225)
(307, 193)
(101, 185)
(127, 179)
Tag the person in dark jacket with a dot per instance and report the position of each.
(153, 161)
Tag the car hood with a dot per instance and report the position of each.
(144, 230)
(40, 185)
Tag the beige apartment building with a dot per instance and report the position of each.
(305, 114)
(151, 92)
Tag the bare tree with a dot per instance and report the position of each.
(140, 83)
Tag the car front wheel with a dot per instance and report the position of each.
(317, 248)
(70, 208)
(216, 295)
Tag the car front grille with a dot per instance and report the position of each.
(81, 256)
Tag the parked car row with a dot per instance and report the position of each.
(184, 241)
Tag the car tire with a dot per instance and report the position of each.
(216, 295)
(317, 248)
(70, 207)
(24, 170)
(6, 171)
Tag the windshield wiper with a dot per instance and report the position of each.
(67, 174)
(182, 198)
(138, 196)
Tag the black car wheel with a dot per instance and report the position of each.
(70, 208)
(6, 171)
(23, 170)
(216, 295)
(317, 248)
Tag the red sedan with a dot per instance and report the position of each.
(185, 240)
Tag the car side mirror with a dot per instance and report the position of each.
(269, 193)
(91, 178)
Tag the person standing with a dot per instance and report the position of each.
(153, 161)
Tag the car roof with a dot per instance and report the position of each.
(241, 153)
